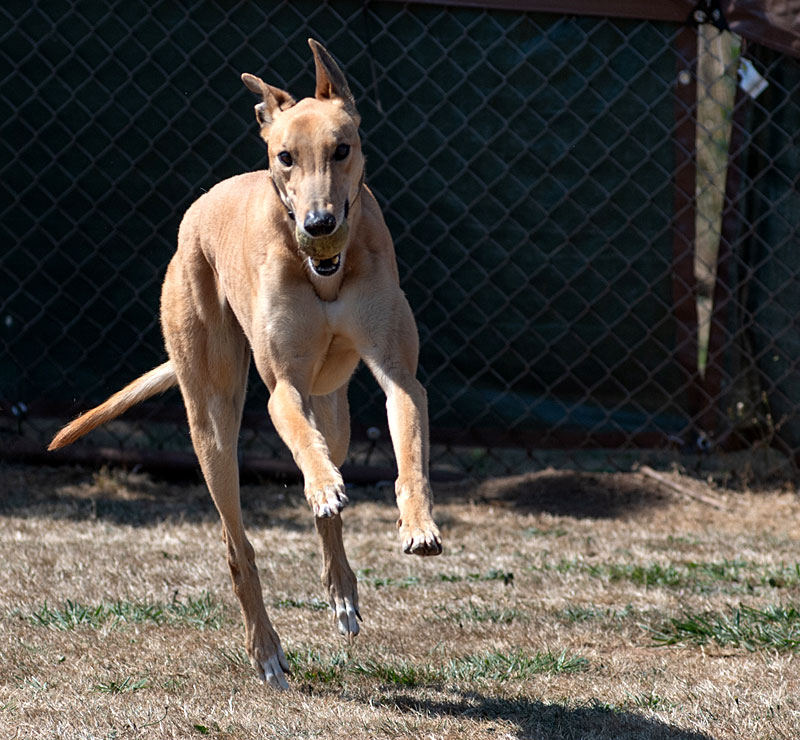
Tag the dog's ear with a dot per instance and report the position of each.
(273, 99)
(331, 82)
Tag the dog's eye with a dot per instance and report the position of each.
(341, 152)
(285, 159)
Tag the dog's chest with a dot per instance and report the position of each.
(335, 366)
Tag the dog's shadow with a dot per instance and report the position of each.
(536, 720)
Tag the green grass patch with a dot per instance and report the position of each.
(396, 673)
(771, 628)
(538, 532)
(310, 665)
(492, 575)
(730, 576)
(126, 686)
(316, 605)
(367, 576)
(202, 612)
(595, 613)
(483, 614)
(514, 665)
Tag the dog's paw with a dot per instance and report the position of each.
(347, 615)
(343, 598)
(272, 666)
(422, 539)
(327, 501)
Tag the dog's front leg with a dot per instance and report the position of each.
(407, 411)
(292, 417)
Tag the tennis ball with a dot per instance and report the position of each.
(322, 247)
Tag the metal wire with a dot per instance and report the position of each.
(598, 235)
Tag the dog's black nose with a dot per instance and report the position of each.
(320, 223)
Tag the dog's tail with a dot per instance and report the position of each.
(158, 380)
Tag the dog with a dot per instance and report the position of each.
(294, 265)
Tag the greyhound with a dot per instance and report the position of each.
(295, 265)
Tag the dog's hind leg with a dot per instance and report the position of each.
(331, 416)
(211, 357)
(337, 576)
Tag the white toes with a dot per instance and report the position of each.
(347, 616)
(334, 499)
(274, 670)
(421, 542)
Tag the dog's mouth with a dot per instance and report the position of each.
(324, 252)
(327, 267)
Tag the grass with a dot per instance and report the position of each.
(125, 685)
(729, 576)
(313, 604)
(492, 614)
(310, 665)
(200, 612)
(533, 625)
(774, 627)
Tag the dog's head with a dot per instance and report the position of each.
(315, 158)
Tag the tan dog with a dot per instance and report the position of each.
(296, 264)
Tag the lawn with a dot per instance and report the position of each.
(564, 606)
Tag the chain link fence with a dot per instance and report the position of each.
(597, 229)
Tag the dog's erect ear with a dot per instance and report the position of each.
(331, 82)
(273, 99)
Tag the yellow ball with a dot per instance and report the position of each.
(322, 247)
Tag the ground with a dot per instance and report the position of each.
(564, 606)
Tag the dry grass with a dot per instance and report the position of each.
(541, 620)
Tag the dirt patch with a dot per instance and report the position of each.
(571, 494)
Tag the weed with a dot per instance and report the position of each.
(474, 613)
(400, 673)
(537, 532)
(729, 576)
(772, 628)
(314, 604)
(236, 657)
(205, 729)
(592, 613)
(37, 685)
(365, 576)
(514, 665)
(201, 612)
(649, 700)
(647, 576)
(126, 685)
(310, 665)
(491, 575)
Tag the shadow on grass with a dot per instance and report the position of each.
(565, 493)
(535, 720)
(139, 500)
(129, 499)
